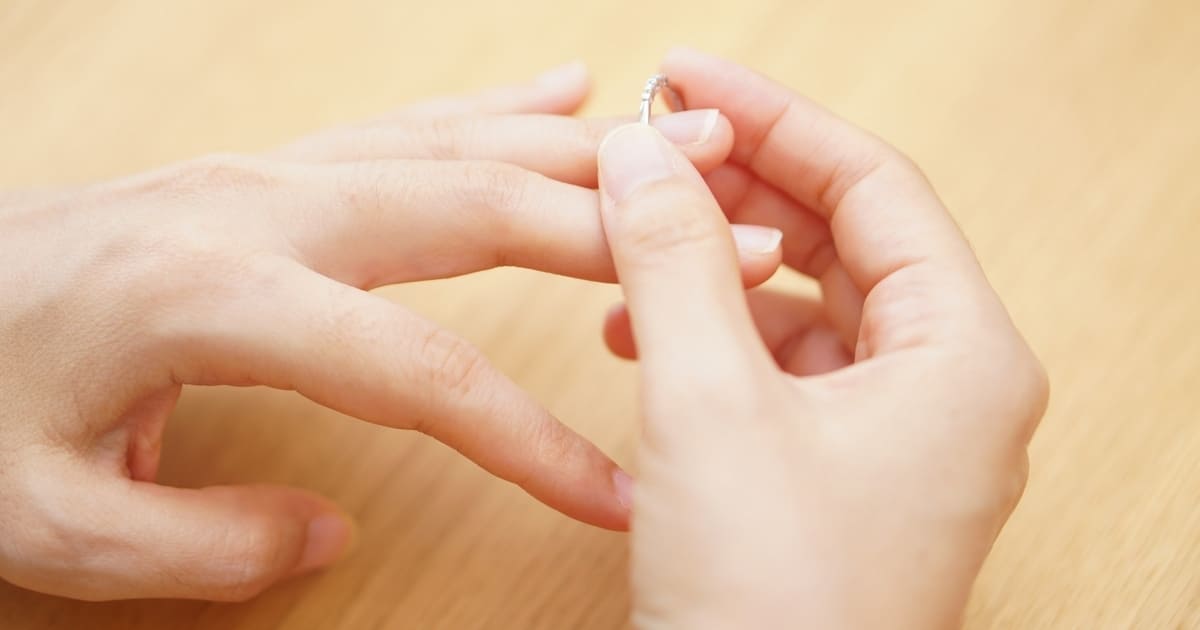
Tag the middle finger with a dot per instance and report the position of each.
(370, 224)
(559, 147)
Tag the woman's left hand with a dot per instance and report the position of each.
(247, 270)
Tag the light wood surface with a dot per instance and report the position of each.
(1064, 134)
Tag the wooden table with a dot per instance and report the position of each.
(1064, 134)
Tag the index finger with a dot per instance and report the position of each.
(884, 215)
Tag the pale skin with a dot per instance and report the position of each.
(841, 463)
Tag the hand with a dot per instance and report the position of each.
(841, 463)
(254, 270)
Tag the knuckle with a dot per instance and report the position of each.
(1013, 486)
(897, 158)
(870, 159)
(896, 311)
(1013, 363)
(494, 193)
(248, 560)
(497, 188)
(1036, 385)
(227, 170)
(451, 363)
(554, 444)
(355, 324)
(1041, 387)
(1007, 378)
(204, 176)
(188, 246)
(580, 138)
(896, 165)
(365, 190)
(253, 574)
(445, 138)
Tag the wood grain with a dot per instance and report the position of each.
(1064, 134)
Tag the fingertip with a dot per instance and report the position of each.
(591, 489)
(687, 127)
(329, 537)
(704, 136)
(618, 511)
(571, 73)
(623, 486)
(677, 55)
(818, 351)
(722, 135)
(610, 505)
(757, 240)
(633, 156)
(611, 136)
(618, 333)
(566, 87)
(758, 268)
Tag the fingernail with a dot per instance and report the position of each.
(623, 484)
(631, 156)
(566, 74)
(756, 239)
(329, 538)
(694, 126)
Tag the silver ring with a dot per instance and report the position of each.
(656, 84)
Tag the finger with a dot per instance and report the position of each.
(843, 302)
(794, 329)
(817, 350)
(807, 242)
(778, 317)
(618, 333)
(96, 537)
(144, 425)
(884, 217)
(797, 331)
(559, 90)
(675, 258)
(559, 147)
(386, 222)
(364, 356)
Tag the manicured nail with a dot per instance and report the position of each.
(756, 239)
(694, 126)
(564, 75)
(623, 484)
(329, 538)
(631, 156)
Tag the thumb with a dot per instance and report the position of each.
(136, 540)
(675, 257)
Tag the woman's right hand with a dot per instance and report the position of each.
(842, 463)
